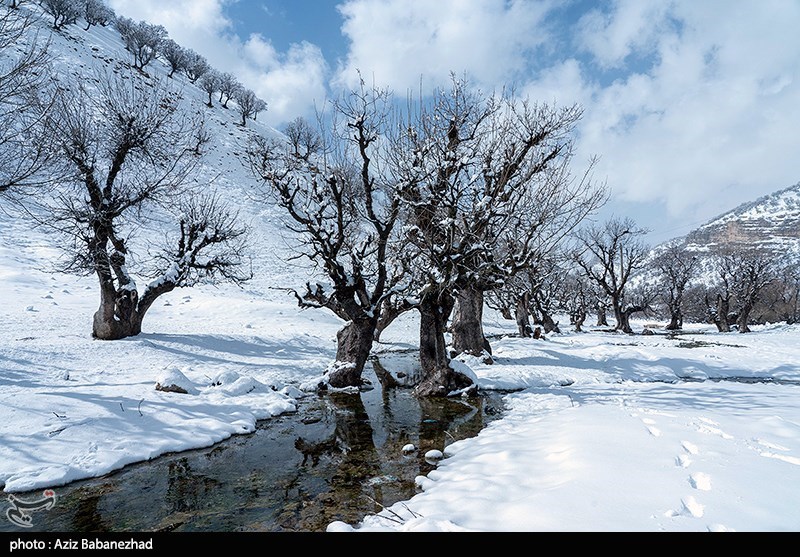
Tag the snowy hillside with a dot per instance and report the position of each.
(771, 222)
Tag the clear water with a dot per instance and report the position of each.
(338, 458)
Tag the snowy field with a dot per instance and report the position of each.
(606, 432)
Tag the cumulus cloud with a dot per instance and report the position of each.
(400, 42)
(688, 104)
(291, 82)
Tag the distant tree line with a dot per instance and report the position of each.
(147, 42)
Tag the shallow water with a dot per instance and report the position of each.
(338, 458)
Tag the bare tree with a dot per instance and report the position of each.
(25, 98)
(334, 185)
(247, 102)
(196, 65)
(782, 298)
(576, 298)
(142, 39)
(610, 255)
(494, 192)
(260, 106)
(228, 87)
(676, 267)
(546, 282)
(63, 12)
(175, 56)
(96, 12)
(209, 82)
(127, 148)
(744, 275)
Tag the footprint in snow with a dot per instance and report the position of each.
(650, 425)
(700, 481)
(766, 449)
(689, 507)
(690, 448)
(683, 460)
(711, 427)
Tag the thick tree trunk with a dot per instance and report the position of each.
(625, 318)
(523, 317)
(721, 317)
(579, 317)
(743, 318)
(467, 324)
(548, 323)
(621, 320)
(623, 323)
(676, 316)
(118, 316)
(354, 342)
(675, 322)
(438, 378)
(121, 311)
(602, 320)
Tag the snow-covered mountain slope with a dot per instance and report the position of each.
(81, 56)
(771, 222)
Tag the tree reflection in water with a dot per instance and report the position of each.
(339, 457)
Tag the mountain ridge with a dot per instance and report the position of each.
(770, 222)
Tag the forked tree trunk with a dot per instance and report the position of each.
(624, 322)
(467, 324)
(353, 345)
(438, 378)
(743, 318)
(624, 319)
(122, 311)
(721, 317)
(118, 316)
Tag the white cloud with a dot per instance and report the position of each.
(711, 123)
(400, 42)
(631, 26)
(290, 82)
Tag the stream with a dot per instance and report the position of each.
(339, 457)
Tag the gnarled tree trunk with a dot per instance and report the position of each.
(743, 318)
(354, 342)
(602, 320)
(438, 378)
(467, 324)
(721, 317)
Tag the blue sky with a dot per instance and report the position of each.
(691, 105)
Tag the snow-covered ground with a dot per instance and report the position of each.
(604, 432)
(625, 433)
(608, 432)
